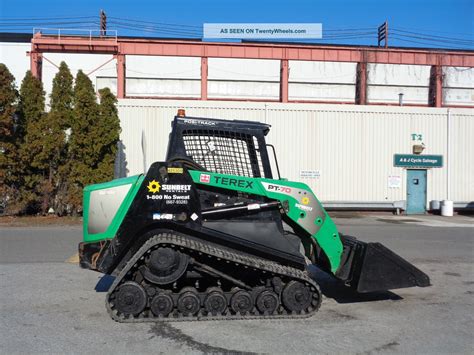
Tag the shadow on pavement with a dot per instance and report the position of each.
(335, 289)
(467, 213)
(104, 283)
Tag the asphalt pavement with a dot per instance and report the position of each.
(49, 305)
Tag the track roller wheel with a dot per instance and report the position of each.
(241, 302)
(161, 304)
(215, 302)
(296, 296)
(131, 298)
(165, 266)
(267, 302)
(188, 301)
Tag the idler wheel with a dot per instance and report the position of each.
(165, 266)
(296, 296)
(267, 302)
(130, 298)
(241, 302)
(162, 304)
(215, 302)
(188, 302)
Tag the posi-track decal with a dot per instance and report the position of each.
(194, 121)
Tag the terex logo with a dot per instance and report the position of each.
(233, 182)
(278, 188)
(205, 178)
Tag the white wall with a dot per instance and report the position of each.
(163, 76)
(243, 78)
(458, 86)
(387, 81)
(155, 76)
(87, 63)
(13, 55)
(351, 146)
(321, 81)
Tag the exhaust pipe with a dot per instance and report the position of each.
(369, 267)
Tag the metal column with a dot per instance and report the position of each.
(361, 84)
(36, 64)
(436, 86)
(121, 90)
(284, 80)
(204, 71)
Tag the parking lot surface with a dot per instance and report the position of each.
(49, 305)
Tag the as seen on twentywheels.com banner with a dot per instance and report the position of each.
(263, 30)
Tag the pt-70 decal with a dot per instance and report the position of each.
(277, 188)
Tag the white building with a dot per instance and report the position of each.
(345, 152)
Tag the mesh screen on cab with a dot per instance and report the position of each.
(224, 152)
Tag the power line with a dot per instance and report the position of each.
(424, 37)
(29, 29)
(154, 23)
(443, 37)
(431, 42)
(432, 37)
(154, 26)
(156, 31)
(435, 31)
(423, 43)
(349, 29)
(48, 23)
(44, 18)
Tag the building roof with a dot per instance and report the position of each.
(26, 38)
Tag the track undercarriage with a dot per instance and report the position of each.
(176, 277)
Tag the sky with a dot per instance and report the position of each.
(412, 23)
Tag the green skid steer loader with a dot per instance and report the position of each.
(209, 233)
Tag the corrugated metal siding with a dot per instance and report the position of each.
(351, 146)
(462, 156)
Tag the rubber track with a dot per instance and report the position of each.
(216, 251)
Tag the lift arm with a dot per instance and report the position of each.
(300, 204)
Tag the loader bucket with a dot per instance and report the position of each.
(372, 267)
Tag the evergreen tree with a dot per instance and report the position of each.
(60, 119)
(108, 131)
(32, 132)
(62, 95)
(31, 105)
(83, 149)
(8, 149)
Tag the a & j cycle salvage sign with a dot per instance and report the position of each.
(418, 161)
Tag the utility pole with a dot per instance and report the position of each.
(103, 23)
(383, 34)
